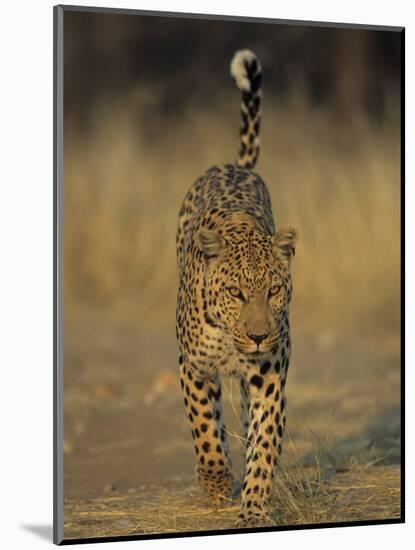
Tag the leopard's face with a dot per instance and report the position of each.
(248, 287)
(250, 309)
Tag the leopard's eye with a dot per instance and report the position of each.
(235, 292)
(274, 290)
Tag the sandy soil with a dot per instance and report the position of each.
(128, 454)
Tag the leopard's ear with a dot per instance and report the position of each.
(284, 242)
(209, 242)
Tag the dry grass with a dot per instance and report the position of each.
(301, 496)
(337, 181)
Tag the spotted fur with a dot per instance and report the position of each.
(232, 313)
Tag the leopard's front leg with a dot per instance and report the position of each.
(202, 399)
(267, 422)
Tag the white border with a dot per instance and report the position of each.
(26, 267)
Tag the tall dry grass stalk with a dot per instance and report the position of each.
(336, 180)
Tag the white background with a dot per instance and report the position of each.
(26, 267)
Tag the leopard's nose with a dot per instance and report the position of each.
(257, 338)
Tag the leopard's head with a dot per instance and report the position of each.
(248, 282)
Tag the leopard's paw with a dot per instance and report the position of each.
(253, 519)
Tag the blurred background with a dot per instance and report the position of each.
(149, 106)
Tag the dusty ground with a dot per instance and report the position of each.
(128, 454)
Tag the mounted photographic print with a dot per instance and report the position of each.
(228, 259)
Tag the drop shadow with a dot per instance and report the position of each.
(43, 531)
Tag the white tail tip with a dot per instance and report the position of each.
(238, 68)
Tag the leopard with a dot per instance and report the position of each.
(232, 315)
